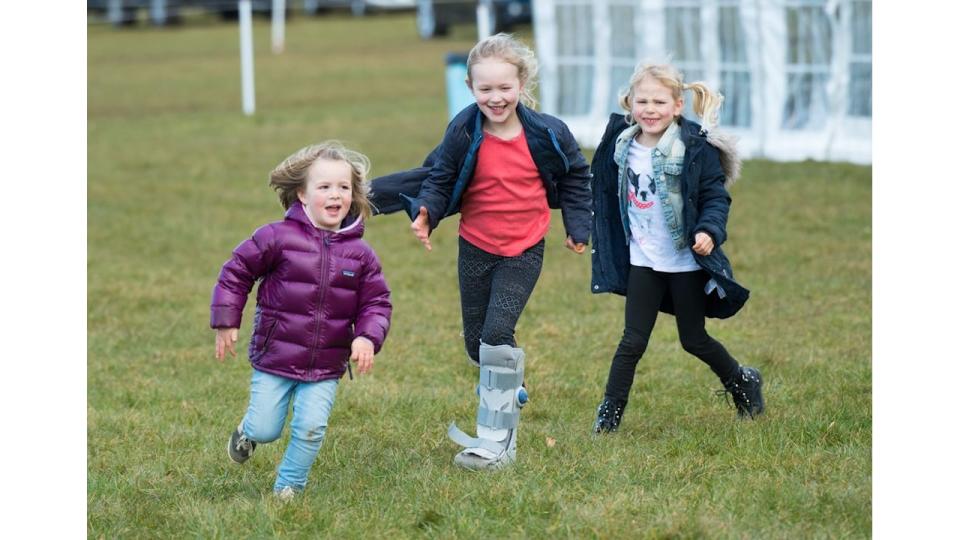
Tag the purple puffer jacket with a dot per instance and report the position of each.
(320, 289)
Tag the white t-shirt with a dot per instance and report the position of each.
(651, 244)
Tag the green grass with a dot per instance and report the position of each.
(177, 177)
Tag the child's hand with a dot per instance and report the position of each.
(421, 228)
(226, 338)
(704, 244)
(361, 351)
(577, 248)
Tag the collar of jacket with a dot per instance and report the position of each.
(352, 226)
(472, 117)
(667, 145)
(692, 134)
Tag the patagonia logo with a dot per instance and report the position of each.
(349, 273)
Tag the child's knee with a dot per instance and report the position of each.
(695, 345)
(633, 344)
(311, 431)
(262, 433)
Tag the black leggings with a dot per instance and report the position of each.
(493, 292)
(645, 290)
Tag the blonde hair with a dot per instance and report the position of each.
(290, 176)
(512, 51)
(706, 102)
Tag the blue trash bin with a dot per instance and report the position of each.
(458, 95)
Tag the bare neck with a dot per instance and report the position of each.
(504, 130)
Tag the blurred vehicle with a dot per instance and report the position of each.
(124, 12)
(434, 17)
(357, 7)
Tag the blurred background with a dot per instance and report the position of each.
(796, 74)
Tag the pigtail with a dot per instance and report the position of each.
(706, 103)
(625, 98)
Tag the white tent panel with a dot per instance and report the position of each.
(796, 74)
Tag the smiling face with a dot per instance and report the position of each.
(327, 195)
(654, 108)
(496, 87)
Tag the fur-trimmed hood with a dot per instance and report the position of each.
(724, 142)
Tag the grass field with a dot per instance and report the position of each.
(177, 177)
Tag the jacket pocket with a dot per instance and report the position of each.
(556, 146)
(672, 170)
(271, 325)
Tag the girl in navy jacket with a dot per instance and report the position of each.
(502, 166)
(660, 215)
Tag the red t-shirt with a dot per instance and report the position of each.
(504, 210)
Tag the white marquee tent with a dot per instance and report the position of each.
(797, 74)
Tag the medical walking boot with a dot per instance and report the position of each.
(502, 395)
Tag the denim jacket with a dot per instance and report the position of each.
(667, 160)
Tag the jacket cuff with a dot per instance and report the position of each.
(377, 341)
(411, 205)
(714, 233)
(224, 317)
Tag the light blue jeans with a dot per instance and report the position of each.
(270, 397)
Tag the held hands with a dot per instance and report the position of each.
(226, 339)
(361, 351)
(704, 244)
(421, 228)
(577, 248)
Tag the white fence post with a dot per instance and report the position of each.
(114, 12)
(278, 20)
(246, 57)
(158, 11)
(484, 13)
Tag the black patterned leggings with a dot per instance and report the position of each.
(493, 292)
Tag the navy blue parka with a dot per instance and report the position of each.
(439, 184)
(706, 206)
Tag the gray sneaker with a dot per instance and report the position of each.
(285, 494)
(239, 447)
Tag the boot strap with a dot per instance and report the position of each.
(497, 419)
(500, 380)
(466, 441)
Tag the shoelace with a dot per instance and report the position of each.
(734, 392)
(243, 445)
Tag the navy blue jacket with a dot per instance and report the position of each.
(705, 208)
(440, 183)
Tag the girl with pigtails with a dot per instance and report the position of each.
(660, 205)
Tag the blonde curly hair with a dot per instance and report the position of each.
(290, 177)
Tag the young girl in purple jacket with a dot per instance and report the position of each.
(322, 301)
